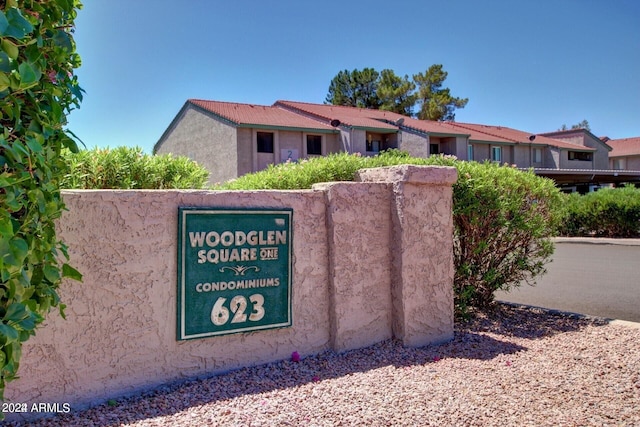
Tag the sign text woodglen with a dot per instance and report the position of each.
(234, 270)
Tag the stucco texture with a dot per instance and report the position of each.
(371, 260)
(422, 251)
(359, 229)
(119, 334)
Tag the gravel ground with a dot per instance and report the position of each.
(516, 366)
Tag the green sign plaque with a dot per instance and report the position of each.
(234, 270)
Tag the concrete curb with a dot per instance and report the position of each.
(625, 323)
(597, 241)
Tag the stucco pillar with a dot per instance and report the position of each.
(359, 240)
(422, 250)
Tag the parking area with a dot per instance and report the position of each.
(598, 277)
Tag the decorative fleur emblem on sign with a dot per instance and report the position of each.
(240, 269)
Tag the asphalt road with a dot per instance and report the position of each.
(597, 279)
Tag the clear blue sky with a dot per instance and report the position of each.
(531, 65)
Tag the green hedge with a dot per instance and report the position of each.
(130, 168)
(504, 218)
(610, 212)
(305, 173)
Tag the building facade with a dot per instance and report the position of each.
(232, 139)
(625, 153)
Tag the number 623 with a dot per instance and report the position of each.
(220, 313)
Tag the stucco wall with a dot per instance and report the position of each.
(384, 244)
(203, 138)
(333, 141)
(415, 144)
(358, 141)
(601, 156)
(481, 152)
(565, 163)
(522, 156)
(461, 148)
(552, 157)
(633, 163)
(245, 151)
(290, 140)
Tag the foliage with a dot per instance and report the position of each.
(582, 125)
(503, 218)
(436, 103)
(355, 89)
(387, 91)
(129, 168)
(37, 90)
(610, 212)
(396, 93)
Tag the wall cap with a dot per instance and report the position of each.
(413, 174)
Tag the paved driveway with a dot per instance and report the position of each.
(599, 277)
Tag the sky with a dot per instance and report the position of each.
(531, 65)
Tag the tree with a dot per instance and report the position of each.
(436, 103)
(396, 93)
(37, 90)
(390, 92)
(582, 125)
(355, 89)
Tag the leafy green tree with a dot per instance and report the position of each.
(37, 90)
(436, 102)
(396, 93)
(582, 125)
(390, 92)
(355, 89)
(342, 90)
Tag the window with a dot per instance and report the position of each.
(434, 148)
(537, 155)
(373, 146)
(314, 144)
(265, 142)
(580, 155)
(469, 152)
(496, 154)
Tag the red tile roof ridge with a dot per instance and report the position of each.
(624, 140)
(224, 102)
(264, 115)
(351, 116)
(468, 127)
(624, 146)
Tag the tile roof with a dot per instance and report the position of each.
(362, 117)
(260, 115)
(505, 134)
(305, 115)
(350, 116)
(432, 127)
(624, 147)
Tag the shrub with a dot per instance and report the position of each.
(37, 91)
(129, 168)
(503, 218)
(606, 213)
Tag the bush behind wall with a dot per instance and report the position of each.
(504, 218)
(610, 212)
(130, 168)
